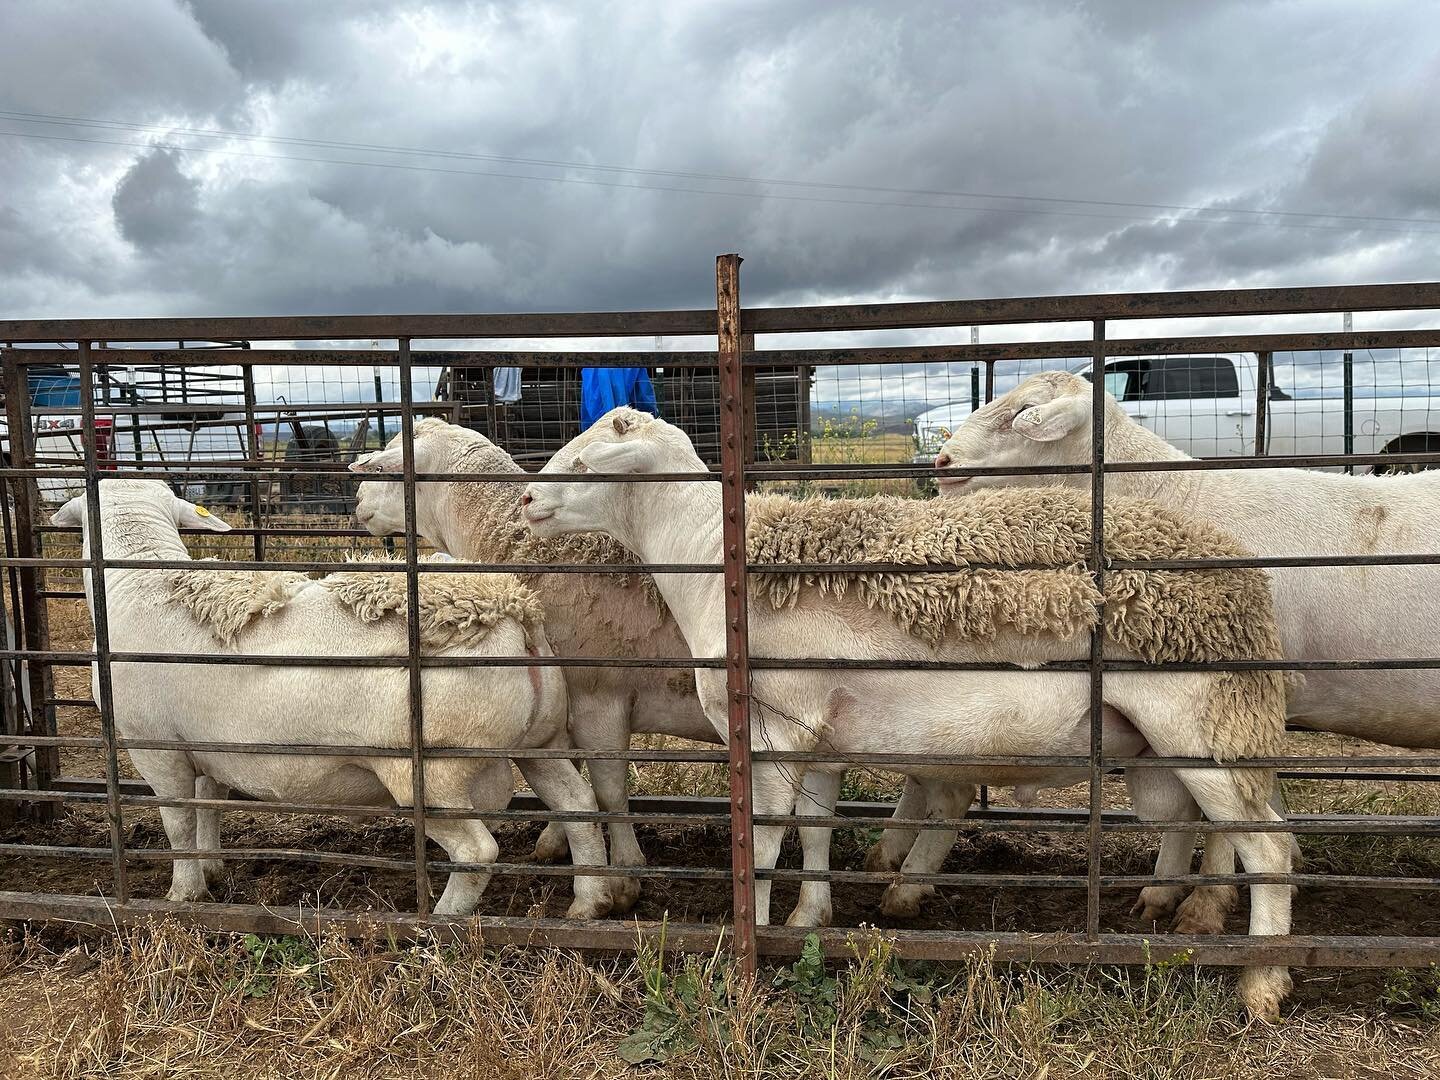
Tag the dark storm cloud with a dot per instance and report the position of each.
(155, 203)
(1316, 106)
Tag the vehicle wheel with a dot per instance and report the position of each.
(1421, 443)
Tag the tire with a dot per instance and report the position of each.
(1425, 442)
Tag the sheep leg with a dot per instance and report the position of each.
(1205, 909)
(888, 853)
(773, 791)
(602, 722)
(1223, 798)
(207, 825)
(903, 900)
(453, 784)
(553, 846)
(1158, 795)
(819, 792)
(559, 784)
(173, 777)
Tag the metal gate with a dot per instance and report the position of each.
(36, 787)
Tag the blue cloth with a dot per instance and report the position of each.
(603, 389)
(506, 381)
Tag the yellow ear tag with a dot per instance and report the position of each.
(202, 511)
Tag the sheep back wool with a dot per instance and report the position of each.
(1151, 615)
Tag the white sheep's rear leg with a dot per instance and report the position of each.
(888, 853)
(903, 900)
(1204, 911)
(819, 792)
(559, 784)
(773, 792)
(609, 779)
(1158, 795)
(1223, 798)
(455, 784)
(553, 845)
(207, 826)
(171, 776)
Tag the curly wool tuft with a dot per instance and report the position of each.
(457, 610)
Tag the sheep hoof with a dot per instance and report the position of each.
(810, 916)
(590, 907)
(624, 894)
(1262, 989)
(1156, 903)
(188, 896)
(881, 860)
(552, 847)
(1204, 910)
(905, 901)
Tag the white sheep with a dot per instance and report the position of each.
(889, 711)
(585, 615)
(351, 612)
(1323, 613)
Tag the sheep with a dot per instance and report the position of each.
(585, 615)
(1029, 618)
(290, 614)
(1046, 420)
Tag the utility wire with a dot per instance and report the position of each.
(1021, 211)
(53, 119)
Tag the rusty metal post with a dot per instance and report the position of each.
(1262, 402)
(252, 444)
(749, 436)
(32, 629)
(1097, 635)
(737, 636)
(412, 633)
(105, 696)
(803, 455)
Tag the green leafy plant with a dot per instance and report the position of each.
(266, 957)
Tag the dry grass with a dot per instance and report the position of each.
(178, 1003)
(169, 1002)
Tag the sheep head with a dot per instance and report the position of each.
(623, 442)
(380, 504)
(150, 498)
(1043, 421)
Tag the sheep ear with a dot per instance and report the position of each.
(627, 420)
(1053, 420)
(389, 460)
(71, 515)
(638, 456)
(197, 517)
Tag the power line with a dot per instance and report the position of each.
(55, 119)
(758, 195)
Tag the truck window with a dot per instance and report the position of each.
(1190, 377)
(1120, 380)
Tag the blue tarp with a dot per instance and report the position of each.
(603, 389)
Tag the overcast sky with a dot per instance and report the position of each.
(1310, 108)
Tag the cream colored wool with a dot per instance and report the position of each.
(457, 610)
(227, 601)
(495, 523)
(1151, 615)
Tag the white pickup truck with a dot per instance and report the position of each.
(1205, 405)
